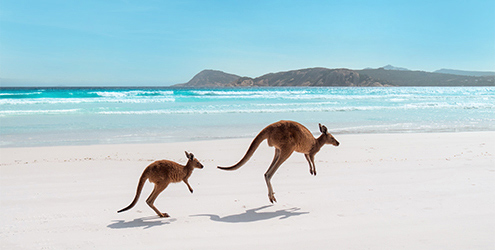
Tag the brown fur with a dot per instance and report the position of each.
(287, 137)
(162, 173)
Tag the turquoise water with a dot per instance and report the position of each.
(74, 116)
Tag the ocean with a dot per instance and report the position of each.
(84, 116)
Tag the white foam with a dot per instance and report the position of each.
(34, 112)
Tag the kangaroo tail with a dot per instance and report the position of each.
(142, 180)
(254, 145)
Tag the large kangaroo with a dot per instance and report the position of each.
(162, 173)
(287, 137)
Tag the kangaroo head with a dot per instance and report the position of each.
(193, 161)
(327, 137)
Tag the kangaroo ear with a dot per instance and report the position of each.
(323, 129)
(189, 156)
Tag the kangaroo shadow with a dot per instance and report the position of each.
(252, 215)
(145, 223)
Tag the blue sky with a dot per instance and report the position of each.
(108, 42)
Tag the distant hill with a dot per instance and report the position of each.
(465, 73)
(302, 77)
(338, 77)
(390, 67)
(309, 77)
(422, 78)
(210, 78)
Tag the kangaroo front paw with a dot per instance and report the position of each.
(312, 171)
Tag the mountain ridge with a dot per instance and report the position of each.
(210, 78)
(311, 77)
(464, 72)
(320, 76)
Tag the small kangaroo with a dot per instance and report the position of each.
(287, 137)
(162, 173)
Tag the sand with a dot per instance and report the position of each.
(375, 191)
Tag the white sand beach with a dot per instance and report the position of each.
(374, 191)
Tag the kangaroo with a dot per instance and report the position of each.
(287, 137)
(162, 173)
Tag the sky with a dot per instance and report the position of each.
(159, 43)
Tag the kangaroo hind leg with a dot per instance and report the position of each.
(159, 187)
(278, 159)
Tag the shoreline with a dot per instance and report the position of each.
(219, 138)
(390, 191)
